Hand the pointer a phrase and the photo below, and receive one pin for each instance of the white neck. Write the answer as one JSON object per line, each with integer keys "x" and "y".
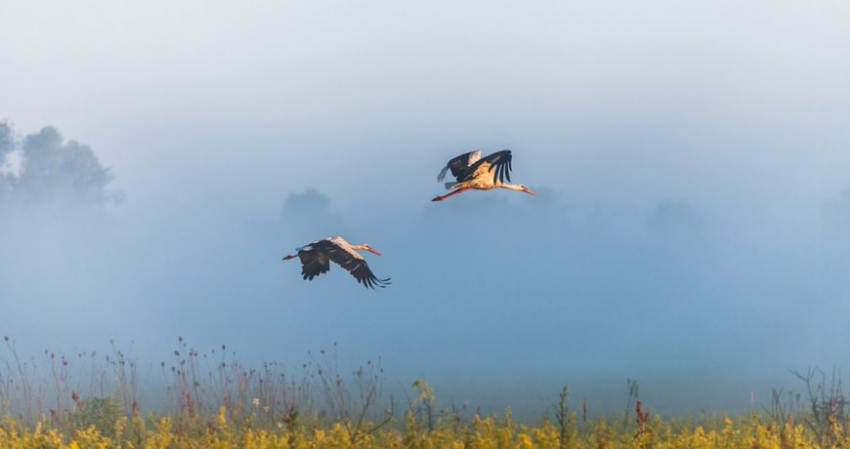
{"x": 516, "y": 187}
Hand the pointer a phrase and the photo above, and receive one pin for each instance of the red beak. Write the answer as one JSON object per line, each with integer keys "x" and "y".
{"x": 527, "y": 190}
{"x": 373, "y": 251}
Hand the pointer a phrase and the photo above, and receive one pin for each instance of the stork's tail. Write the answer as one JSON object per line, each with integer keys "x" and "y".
{"x": 449, "y": 185}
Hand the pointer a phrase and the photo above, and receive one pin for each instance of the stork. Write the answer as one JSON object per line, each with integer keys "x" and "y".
{"x": 474, "y": 172}
{"x": 316, "y": 257}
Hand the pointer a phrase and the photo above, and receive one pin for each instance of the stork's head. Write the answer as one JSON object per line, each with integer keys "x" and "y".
{"x": 525, "y": 189}
{"x": 370, "y": 249}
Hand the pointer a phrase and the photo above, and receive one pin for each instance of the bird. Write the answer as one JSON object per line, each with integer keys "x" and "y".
{"x": 316, "y": 258}
{"x": 474, "y": 172}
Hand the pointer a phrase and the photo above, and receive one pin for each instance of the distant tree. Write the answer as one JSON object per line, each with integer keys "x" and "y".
{"x": 673, "y": 217}
{"x": 308, "y": 214}
{"x": 7, "y": 145}
{"x": 53, "y": 171}
{"x": 7, "y": 142}
{"x": 310, "y": 203}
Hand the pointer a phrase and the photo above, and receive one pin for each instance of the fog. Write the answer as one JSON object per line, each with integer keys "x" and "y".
{"x": 692, "y": 227}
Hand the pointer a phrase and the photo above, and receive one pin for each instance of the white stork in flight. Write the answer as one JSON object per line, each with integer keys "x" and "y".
{"x": 474, "y": 172}
{"x": 316, "y": 257}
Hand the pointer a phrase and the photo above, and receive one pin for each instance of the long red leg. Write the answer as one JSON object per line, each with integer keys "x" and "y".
{"x": 441, "y": 198}
{"x": 290, "y": 257}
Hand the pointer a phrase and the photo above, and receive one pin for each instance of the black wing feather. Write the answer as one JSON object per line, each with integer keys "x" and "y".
{"x": 357, "y": 267}
{"x": 459, "y": 166}
{"x": 500, "y": 165}
{"x": 313, "y": 263}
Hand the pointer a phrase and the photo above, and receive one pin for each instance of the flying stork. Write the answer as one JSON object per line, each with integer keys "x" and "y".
{"x": 474, "y": 172}
{"x": 316, "y": 257}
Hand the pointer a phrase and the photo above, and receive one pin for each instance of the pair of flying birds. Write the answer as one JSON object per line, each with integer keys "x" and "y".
{"x": 471, "y": 171}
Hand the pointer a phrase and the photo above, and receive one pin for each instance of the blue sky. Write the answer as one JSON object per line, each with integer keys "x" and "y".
{"x": 691, "y": 159}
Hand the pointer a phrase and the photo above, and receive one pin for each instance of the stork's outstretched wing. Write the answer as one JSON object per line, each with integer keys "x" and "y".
{"x": 460, "y": 165}
{"x": 499, "y": 163}
{"x": 313, "y": 263}
{"x": 351, "y": 262}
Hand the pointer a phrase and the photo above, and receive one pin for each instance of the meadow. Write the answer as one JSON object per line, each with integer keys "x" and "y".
{"x": 213, "y": 399}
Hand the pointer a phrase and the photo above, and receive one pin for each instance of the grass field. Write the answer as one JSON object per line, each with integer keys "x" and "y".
{"x": 214, "y": 400}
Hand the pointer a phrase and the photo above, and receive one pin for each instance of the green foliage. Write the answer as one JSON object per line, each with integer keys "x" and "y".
{"x": 101, "y": 412}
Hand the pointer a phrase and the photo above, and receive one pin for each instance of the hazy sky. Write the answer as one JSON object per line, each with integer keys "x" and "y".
{"x": 691, "y": 158}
